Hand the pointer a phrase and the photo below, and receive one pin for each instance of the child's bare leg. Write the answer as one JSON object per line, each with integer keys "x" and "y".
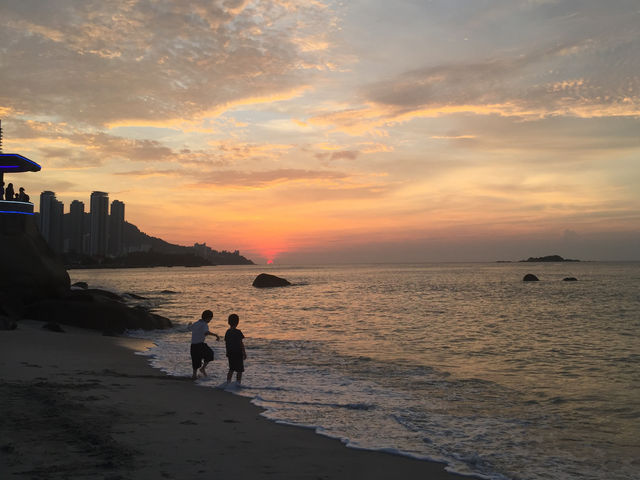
{"x": 203, "y": 369}
{"x": 239, "y": 377}
{"x": 195, "y": 374}
{"x": 229, "y": 375}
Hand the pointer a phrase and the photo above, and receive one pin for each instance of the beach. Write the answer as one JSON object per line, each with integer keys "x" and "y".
{"x": 81, "y": 405}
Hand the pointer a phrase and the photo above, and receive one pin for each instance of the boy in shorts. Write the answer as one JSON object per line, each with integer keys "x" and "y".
{"x": 200, "y": 351}
{"x": 235, "y": 349}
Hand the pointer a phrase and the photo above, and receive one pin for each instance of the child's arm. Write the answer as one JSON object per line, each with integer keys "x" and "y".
{"x": 215, "y": 334}
{"x": 244, "y": 353}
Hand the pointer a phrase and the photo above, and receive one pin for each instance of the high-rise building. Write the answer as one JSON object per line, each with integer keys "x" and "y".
{"x": 76, "y": 226}
{"x": 51, "y": 220}
{"x": 99, "y": 223}
{"x": 116, "y": 228}
{"x": 57, "y": 226}
{"x": 46, "y": 199}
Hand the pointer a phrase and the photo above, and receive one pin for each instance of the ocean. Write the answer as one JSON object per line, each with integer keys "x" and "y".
{"x": 460, "y": 363}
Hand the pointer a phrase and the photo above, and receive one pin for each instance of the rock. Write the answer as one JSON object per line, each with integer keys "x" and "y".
{"x": 53, "y": 327}
{"x": 10, "y": 306}
{"x": 264, "y": 280}
{"x": 7, "y": 323}
{"x": 134, "y": 296}
{"x": 549, "y": 258}
{"x": 96, "y": 312}
{"x": 98, "y": 293}
{"x": 30, "y": 269}
{"x": 82, "y": 285}
{"x": 570, "y": 279}
{"x": 530, "y": 277}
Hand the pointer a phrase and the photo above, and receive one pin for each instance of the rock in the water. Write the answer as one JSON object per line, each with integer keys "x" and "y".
{"x": 530, "y": 277}
{"x": 82, "y": 285}
{"x": 135, "y": 296}
{"x": 264, "y": 280}
{"x": 570, "y": 279}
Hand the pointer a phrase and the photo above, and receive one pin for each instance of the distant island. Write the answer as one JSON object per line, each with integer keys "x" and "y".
{"x": 549, "y": 258}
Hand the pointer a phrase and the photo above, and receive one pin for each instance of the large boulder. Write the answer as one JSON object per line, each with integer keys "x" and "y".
{"x": 264, "y": 280}
{"x": 530, "y": 277}
{"x": 30, "y": 269}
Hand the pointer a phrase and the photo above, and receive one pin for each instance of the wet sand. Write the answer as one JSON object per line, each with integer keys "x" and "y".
{"x": 80, "y": 405}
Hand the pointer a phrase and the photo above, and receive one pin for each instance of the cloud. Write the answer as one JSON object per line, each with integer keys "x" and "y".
{"x": 263, "y": 179}
{"x": 586, "y": 69}
{"x": 102, "y": 62}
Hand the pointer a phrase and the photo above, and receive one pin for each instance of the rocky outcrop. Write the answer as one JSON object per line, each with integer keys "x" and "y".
{"x": 264, "y": 280}
{"x": 570, "y": 279}
{"x": 7, "y": 323}
{"x": 530, "y": 277}
{"x": 96, "y": 310}
{"x": 30, "y": 269}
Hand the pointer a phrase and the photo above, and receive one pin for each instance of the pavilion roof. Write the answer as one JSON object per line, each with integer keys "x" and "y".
{"x": 12, "y": 163}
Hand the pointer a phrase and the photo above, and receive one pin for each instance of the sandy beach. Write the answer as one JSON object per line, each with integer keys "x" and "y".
{"x": 82, "y": 405}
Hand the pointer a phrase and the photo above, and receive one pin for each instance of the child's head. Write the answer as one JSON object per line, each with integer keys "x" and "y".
{"x": 207, "y": 315}
{"x": 233, "y": 320}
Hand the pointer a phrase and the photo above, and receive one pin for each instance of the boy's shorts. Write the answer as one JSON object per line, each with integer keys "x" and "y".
{"x": 200, "y": 352}
{"x": 236, "y": 362}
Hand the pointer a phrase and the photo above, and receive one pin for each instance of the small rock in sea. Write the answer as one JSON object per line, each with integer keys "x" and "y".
{"x": 82, "y": 285}
{"x": 264, "y": 280}
{"x": 53, "y": 327}
{"x": 530, "y": 277}
{"x": 134, "y": 296}
{"x": 570, "y": 279}
{"x": 171, "y": 292}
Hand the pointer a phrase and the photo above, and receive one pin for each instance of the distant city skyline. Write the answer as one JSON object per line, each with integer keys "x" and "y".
{"x": 96, "y": 233}
{"x": 333, "y": 132}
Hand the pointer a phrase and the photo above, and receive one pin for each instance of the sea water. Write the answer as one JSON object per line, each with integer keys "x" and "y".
{"x": 460, "y": 363}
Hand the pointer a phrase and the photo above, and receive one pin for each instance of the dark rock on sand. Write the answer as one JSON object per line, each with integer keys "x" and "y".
{"x": 30, "y": 268}
{"x": 530, "y": 277}
{"x": 97, "y": 310}
{"x": 53, "y": 327}
{"x": 570, "y": 279}
{"x": 7, "y": 323}
{"x": 264, "y": 280}
{"x": 35, "y": 285}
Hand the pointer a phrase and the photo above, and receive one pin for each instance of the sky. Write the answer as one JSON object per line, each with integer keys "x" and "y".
{"x": 328, "y": 132}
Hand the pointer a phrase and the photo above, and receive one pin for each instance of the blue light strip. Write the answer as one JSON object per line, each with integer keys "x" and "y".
{"x": 21, "y": 213}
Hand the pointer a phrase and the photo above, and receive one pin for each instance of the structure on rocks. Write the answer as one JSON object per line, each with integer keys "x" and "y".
{"x": 30, "y": 269}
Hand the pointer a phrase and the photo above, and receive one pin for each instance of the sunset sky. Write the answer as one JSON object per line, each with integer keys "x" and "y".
{"x": 320, "y": 131}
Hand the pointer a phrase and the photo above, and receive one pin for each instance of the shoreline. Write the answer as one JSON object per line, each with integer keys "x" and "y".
{"x": 82, "y": 405}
